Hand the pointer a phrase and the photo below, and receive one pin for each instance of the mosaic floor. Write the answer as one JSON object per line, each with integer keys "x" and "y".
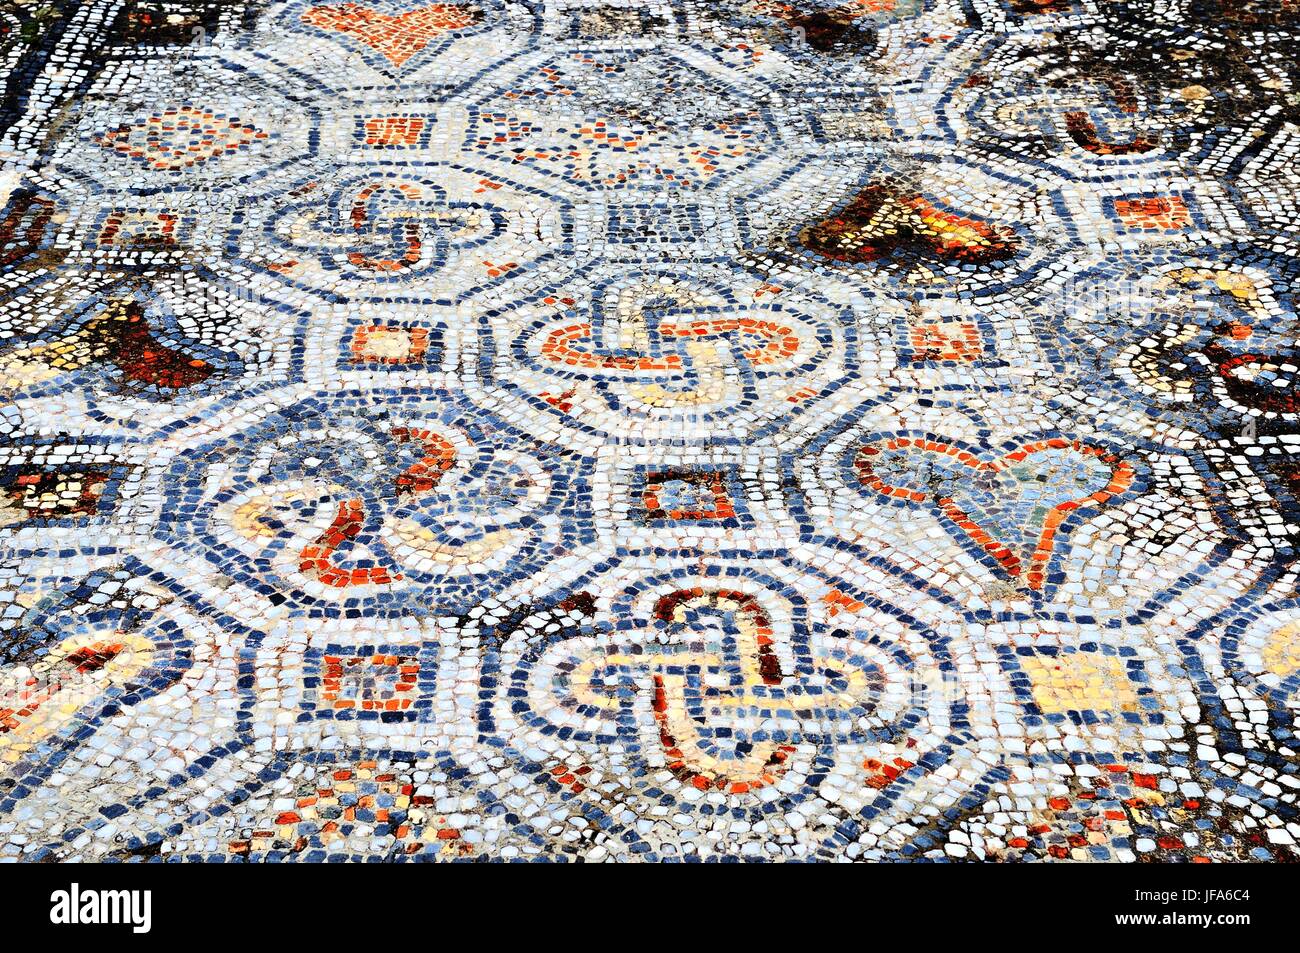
{"x": 632, "y": 431}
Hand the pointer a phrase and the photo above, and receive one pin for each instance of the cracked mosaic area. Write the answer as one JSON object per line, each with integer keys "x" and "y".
{"x": 823, "y": 430}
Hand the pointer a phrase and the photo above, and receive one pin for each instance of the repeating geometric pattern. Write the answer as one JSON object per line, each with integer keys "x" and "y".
{"x": 649, "y": 430}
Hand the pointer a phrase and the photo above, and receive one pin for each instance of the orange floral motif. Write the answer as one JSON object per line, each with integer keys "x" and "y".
{"x": 180, "y": 138}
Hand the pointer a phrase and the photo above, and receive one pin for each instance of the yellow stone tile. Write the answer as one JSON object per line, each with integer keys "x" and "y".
{"x": 1080, "y": 681}
{"x": 1281, "y": 652}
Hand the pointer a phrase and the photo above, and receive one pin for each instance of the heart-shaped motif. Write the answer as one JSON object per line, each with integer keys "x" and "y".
{"x": 396, "y": 37}
{"x": 1011, "y": 507}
